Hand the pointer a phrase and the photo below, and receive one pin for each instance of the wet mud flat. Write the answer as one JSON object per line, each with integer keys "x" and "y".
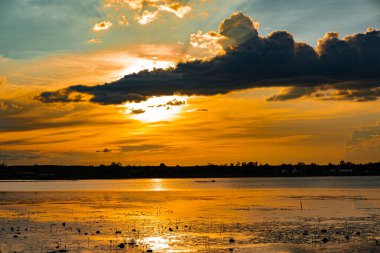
{"x": 199, "y": 220}
{"x": 23, "y": 235}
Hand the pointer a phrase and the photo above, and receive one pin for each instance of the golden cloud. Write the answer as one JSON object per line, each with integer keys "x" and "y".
{"x": 175, "y": 8}
{"x": 102, "y": 26}
{"x": 233, "y": 31}
{"x": 94, "y": 41}
{"x": 147, "y": 11}
{"x": 210, "y": 42}
{"x": 146, "y": 17}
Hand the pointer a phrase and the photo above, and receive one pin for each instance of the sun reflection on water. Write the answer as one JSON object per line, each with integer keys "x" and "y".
{"x": 157, "y": 242}
{"x": 157, "y": 185}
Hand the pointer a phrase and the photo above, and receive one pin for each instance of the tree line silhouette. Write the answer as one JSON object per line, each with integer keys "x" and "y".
{"x": 116, "y": 170}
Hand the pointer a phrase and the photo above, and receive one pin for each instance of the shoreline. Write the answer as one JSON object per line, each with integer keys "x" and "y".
{"x": 246, "y": 170}
{"x": 196, "y": 179}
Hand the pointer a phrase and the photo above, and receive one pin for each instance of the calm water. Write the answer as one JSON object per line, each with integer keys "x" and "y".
{"x": 193, "y": 184}
{"x": 191, "y": 215}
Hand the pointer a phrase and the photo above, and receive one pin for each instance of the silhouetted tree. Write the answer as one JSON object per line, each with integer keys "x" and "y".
{"x": 115, "y": 164}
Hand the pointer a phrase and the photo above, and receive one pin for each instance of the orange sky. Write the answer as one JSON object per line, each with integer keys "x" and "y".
{"x": 241, "y": 125}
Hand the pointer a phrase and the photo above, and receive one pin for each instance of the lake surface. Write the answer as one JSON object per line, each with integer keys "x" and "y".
{"x": 329, "y": 214}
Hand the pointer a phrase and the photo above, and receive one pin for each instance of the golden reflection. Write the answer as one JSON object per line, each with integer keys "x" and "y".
{"x": 157, "y": 242}
{"x": 156, "y": 109}
{"x": 157, "y": 185}
{"x": 177, "y": 221}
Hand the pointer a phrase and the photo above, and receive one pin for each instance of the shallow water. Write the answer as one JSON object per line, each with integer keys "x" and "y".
{"x": 191, "y": 215}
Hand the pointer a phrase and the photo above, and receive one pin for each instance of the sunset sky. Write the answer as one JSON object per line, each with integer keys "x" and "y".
{"x": 189, "y": 81}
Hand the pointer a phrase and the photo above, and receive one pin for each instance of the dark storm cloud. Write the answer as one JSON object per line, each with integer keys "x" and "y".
{"x": 350, "y": 66}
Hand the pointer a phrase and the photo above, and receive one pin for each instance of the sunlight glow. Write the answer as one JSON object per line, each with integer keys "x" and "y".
{"x": 157, "y": 185}
{"x": 157, "y": 242}
{"x": 156, "y": 109}
{"x": 149, "y": 64}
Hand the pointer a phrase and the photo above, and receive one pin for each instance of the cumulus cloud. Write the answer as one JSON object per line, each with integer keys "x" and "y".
{"x": 210, "y": 42}
{"x": 146, "y": 17}
{"x": 102, "y": 26}
{"x": 346, "y": 68}
{"x": 146, "y": 11}
{"x": 176, "y": 8}
{"x": 239, "y": 28}
{"x": 233, "y": 31}
{"x": 94, "y": 41}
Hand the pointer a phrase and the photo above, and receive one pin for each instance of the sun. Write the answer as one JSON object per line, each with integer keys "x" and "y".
{"x": 156, "y": 109}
